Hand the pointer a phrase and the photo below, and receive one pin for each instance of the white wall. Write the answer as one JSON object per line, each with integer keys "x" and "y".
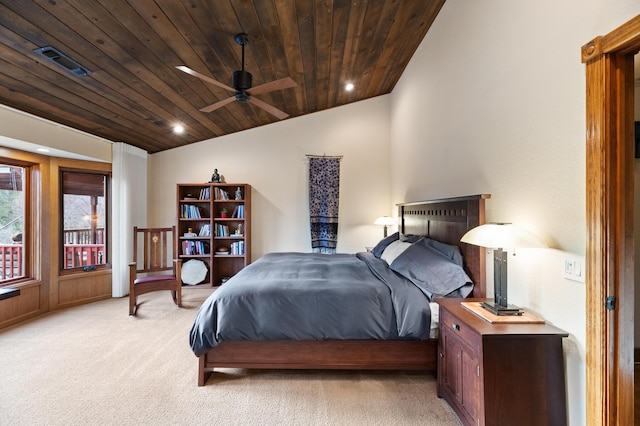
{"x": 273, "y": 160}
{"x": 493, "y": 102}
{"x": 27, "y": 132}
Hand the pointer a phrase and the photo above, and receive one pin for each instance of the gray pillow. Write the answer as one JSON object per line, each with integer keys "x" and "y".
{"x": 449, "y": 251}
{"x": 379, "y": 248}
{"x": 410, "y": 238}
{"x": 432, "y": 272}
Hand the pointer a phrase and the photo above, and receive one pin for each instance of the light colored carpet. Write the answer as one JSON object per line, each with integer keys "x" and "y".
{"x": 95, "y": 365}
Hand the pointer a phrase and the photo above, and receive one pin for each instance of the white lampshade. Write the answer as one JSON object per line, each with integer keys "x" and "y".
{"x": 385, "y": 220}
{"x": 502, "y": 235}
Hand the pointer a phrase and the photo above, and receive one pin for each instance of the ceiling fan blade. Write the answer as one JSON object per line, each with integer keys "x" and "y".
{"x": 269, "y": 108}
{"x": 204, "y": 77}
{"x": 283, "y": 83}
{"x": 218, "y": 104}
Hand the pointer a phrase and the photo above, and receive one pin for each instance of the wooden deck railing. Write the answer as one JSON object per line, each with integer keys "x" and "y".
{"x": 10, "y": 261}
{"x": 75, "y": 255}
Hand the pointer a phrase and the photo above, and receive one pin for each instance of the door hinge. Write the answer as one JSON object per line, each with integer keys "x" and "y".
{"x": 610, "y": 303}
{"x": 478, "y": 370}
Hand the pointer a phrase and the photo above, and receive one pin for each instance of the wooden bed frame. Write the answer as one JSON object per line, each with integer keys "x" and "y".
{"x": 444, "y": 220}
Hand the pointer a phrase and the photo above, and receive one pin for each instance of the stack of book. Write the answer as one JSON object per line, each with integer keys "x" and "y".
{"x": 237, "y": 248}
{"x": 205, "y": 193}
{"x": 221, "y": 230}
{"x": 205, "y": 231}
{"x": 190, "y": 248}
{"x": 238, "y": 211}
{"x": 220, "y": 194}
{"x": 189, "y": 211}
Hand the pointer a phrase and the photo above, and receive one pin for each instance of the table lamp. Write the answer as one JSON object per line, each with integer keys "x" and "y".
{"x": 386, "y": 221}
{"x": 501, "y": 237}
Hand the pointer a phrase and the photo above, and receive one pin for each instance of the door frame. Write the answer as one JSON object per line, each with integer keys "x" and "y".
{"x": 609, "y": 218}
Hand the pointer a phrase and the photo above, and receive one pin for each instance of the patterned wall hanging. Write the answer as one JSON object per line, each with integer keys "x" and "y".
{"x": 324, "y": 195}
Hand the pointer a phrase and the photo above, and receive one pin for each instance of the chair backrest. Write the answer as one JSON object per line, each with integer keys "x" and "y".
{"x": 154, "y": 249}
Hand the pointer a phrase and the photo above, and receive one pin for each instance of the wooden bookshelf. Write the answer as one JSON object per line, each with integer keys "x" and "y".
{"x": 219, "y": 218}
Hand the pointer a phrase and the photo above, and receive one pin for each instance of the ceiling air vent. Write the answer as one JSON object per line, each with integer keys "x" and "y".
{"x": 63, "y": 60}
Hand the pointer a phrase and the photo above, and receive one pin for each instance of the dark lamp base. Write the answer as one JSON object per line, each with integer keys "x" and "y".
{"x": 497, "y": 309}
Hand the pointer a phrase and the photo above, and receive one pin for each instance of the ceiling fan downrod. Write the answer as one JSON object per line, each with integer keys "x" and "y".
{"x": 242, "y": 79}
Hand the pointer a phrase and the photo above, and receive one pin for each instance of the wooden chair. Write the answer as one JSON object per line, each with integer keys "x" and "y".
{"x": 155, "y": 265}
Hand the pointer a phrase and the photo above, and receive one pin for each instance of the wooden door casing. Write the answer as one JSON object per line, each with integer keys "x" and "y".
{"x": 609, "y": 210}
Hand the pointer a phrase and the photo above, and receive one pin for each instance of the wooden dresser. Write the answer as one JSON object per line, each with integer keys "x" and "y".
{"x": 500, "y": 374}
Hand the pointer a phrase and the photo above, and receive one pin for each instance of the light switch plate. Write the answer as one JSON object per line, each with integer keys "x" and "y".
{"x": 573, "y": 269}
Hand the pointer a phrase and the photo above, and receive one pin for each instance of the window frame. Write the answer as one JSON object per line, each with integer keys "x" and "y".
{"x": 107, "y": 221}
{"x": 28, "y": 228}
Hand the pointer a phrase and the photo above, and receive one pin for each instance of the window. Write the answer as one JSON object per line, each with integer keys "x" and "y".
{"x": 13, "y": 216}
{"x": 85, "y": 206}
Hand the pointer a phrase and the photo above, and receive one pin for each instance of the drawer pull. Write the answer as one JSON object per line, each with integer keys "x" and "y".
{"x": 455, "y": 326}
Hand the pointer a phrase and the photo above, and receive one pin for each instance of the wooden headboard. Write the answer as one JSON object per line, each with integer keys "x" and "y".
{"x": 447, "y": 220}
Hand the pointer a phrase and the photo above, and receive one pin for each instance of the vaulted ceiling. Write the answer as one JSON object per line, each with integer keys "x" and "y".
{"x": 134, "y": 93}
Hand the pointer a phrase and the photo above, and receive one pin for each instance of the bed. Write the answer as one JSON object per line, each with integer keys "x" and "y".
{"x": 389, "y": 343}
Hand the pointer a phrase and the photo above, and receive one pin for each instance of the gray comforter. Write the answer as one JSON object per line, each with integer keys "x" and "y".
{"x": 307, "y": 296}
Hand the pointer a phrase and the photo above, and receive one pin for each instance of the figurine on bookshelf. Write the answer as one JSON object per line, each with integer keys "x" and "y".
{"x": 190, "y": 233}
{"x": 238, "y": 230}
{"x": 238, "y": 194}
{"x": 215, "y": 177}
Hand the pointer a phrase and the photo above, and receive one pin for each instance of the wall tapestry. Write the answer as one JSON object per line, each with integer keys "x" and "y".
{"x": 324, "y": 195}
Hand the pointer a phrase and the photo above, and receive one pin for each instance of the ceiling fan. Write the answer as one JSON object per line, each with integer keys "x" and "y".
{"x": 242, "y": 88}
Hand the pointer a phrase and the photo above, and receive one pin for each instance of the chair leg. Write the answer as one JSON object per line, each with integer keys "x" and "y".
{"x": 177, "y": 297}
{"x": 132, "y": 304}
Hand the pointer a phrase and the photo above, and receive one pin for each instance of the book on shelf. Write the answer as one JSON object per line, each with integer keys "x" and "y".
{"x": 238, "y": 211}
{"x": 189, "y": 211}
{"x": 205, "y": 193}
{"x": 220, "y": 194}
{"x": 237, "y": 248}
{"x": 190, "y": 248}
{"x": 221, "y": 230}
{"x": 205, "y": 230}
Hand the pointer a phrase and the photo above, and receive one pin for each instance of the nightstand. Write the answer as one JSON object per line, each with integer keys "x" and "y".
{"x": 500, "y": 373}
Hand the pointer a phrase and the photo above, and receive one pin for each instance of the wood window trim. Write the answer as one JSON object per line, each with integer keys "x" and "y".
{"x": 107, "y": 241}
{"x": 609, "y": 214}
{"x": 30, "y": 239}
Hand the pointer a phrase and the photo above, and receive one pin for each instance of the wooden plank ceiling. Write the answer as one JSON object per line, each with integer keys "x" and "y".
{"x": 135, "y": 94}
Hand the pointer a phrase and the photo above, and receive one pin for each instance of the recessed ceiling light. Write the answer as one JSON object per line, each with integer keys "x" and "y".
{"x": 178, "y": 129}
{"x": 42, "y": 150}
{"x": 349, "y": 87}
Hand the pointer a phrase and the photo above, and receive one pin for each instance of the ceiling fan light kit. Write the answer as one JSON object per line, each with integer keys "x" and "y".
{"x": 242, "y": 86}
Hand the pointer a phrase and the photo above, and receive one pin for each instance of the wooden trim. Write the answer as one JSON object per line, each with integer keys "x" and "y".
{"x": 623, "y": 40}
{"x": 609, "y": 210}
{"x": 94, "y": 281}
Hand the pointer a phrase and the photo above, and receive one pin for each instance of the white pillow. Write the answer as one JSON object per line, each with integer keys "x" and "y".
{"x": 394, "y": 250}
